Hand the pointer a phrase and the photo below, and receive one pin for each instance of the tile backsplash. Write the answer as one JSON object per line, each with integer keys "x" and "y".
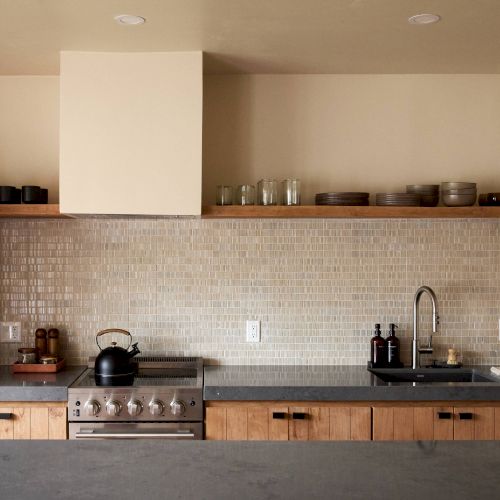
{"x": 187, "y": 286}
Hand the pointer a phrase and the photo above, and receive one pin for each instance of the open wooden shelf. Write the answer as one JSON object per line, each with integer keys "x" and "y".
{"x": 50, "y": 211}
{"x": 335, "y": 212}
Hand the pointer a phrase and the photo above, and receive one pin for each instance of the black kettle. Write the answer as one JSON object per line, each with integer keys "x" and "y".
{"x": 114, "y": 365}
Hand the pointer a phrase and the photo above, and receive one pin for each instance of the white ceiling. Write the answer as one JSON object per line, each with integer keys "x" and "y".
{"x": 260, "y": 36}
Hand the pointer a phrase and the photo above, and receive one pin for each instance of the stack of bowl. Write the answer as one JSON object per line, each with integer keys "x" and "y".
{"x": 429, "y": 193}
{"x": 398, "y": 199}
{"x": 458, "y": 194}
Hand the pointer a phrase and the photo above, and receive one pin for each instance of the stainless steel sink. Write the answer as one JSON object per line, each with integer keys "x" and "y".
{"x": 430, "y": 375}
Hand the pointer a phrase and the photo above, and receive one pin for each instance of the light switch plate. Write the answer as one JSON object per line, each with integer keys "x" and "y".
{"x": 10, "y": 331}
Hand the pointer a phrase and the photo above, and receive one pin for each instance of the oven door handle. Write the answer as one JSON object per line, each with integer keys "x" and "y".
{"x": 92, "y": 434}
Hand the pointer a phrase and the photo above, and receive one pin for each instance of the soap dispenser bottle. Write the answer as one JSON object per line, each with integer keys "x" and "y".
{"x": 393, "y": 348}
{"x": 378, "y": 349}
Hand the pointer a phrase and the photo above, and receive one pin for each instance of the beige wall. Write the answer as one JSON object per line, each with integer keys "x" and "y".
{"x": 335, "y": 132}
{"x": 29, "y": 132}
{"x": 351, "y": 132}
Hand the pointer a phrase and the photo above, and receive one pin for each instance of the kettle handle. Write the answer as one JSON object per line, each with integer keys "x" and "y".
{"x": 113, "y": 330}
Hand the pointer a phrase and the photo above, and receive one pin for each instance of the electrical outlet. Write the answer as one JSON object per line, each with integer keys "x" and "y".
{"x": 253, "y": 331}
{"x": 10, "y": 331}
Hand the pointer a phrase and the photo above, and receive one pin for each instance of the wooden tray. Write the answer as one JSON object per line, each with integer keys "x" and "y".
{"x": 37, "y": 367}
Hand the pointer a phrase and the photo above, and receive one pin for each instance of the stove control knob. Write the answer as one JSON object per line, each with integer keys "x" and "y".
{"x": 177, "y": 408}
{"x": 113, "y": 408}
{"x": 92, "y": 408}
{"x": 156, "y": 407}
{"x": 134, "y": 408}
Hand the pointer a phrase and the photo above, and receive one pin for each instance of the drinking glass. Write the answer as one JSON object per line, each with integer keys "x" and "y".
{"x": 245, "y": 195}
{"x": 224, "y": 195}
{"x": 267, "y": 192}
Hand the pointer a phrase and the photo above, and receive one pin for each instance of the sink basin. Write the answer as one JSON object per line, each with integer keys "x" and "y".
{"x": 430, "y": 375}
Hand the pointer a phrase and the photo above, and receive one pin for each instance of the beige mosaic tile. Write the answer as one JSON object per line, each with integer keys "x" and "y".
{"x": 188, "y": 286}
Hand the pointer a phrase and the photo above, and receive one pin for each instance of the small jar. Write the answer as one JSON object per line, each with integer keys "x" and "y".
{"x": 27, "y": 355}
{"x": 41, "y": 342}
{"x": 245, "y": 195}
{"x": 267, "y": 192}
{"x": 291, "y": 191}
{"x": 53, "y": 342}
{"x": 224, "y": 195}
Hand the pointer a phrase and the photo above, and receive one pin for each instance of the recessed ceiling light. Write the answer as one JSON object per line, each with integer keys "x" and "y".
{"x": 424, "y": 19}
{"x": 129, "y": 19}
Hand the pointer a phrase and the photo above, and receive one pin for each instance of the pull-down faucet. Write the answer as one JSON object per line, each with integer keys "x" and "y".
{"x": 435, "y": 321}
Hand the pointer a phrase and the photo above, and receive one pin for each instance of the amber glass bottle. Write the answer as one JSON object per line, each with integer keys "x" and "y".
{"x": 378, "y": 354}
{"x": 393, "y": 348}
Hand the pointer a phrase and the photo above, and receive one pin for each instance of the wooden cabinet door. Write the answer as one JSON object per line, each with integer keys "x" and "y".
{"x": 278, "y": 424}
{"x": 215, "y": 424}
{"x": 236, "y": 424}
{"x": 409, "y": 424}
{"x": 474, "y": 423}
{"x": 350, "y": 424}
{"x": 309, "y": 424}
{"x": 258, "y": 424}
{"x": 319, "y": 424}
{"x": 443, "y": 423}
{"x": 33, "y": 422}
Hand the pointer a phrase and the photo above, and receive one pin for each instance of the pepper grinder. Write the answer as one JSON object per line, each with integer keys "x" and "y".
{"x": 41, "y": 342}
{"x": 53, "y": 342}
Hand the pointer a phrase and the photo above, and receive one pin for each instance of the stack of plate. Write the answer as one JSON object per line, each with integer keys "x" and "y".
{"x": 398, "y": 199}
{"x": 458, "y": 194}
{"x": 351, "y": 199}
{"x": 429, "y": 193}
{"x": 489, "y": 199}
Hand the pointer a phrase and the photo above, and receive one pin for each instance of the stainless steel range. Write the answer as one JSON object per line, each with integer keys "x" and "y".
{"x": 164, "y": 402}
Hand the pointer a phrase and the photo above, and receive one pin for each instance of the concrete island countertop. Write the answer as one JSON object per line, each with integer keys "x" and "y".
{"x": 37, "y": 386}
{"x": 333, "y": 383}
{"x": 249, "y": 470}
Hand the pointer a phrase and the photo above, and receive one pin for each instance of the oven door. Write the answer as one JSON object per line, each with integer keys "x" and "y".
{"x": 173, "y": 431}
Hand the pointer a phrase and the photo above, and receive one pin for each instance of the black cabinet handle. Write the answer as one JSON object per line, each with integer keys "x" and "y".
{"x": 444, "y": 415}
{"x": 299, "y": 415}
{"x": 465, "y": 416}
{"x": 280, "y": 415}
{"x": 6, "y": 416}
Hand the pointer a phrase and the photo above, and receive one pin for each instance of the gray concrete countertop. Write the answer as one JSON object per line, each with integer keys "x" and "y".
{"x": 249, "y": 470}
{"x": 37, "y": 386}
{"x": 333, "y": 383}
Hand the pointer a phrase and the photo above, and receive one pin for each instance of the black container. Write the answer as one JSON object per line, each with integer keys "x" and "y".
{"x": 44, "y": 196}
{"x": 378, "y": 351}
{"x": 114, "y": 365}
{"x": 32, "y": 194}
{"x": 10, "y": 195}
{"x": 393, "y": 348}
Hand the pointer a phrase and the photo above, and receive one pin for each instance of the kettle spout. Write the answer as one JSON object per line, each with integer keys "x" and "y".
{"x": 134, "y": 351}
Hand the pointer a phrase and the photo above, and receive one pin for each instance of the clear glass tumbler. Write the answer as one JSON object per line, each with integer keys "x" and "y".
{"x": 291, "y": 191}
{"x": 267, "y": 192}
{"x": 224, "y": 195}
{"x": 245, "y": 195}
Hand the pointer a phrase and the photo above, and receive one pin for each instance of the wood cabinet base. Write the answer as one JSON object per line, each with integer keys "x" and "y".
{"x": 247, "y": 422}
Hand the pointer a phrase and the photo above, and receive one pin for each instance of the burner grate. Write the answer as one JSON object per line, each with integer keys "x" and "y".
{"x": 165, "y": 359}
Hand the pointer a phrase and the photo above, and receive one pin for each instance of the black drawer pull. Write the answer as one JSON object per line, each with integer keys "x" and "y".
{"x": 465, "y": 416}
{"x": 444, "y": 415}
{"x": 299, "y": 416}
{"x": 6, "y": 416}
{"x": 280, "y": 415}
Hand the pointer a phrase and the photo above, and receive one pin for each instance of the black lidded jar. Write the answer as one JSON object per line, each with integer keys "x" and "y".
{"x": 393, "y": 360}
{"x": 378, "y": 352}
